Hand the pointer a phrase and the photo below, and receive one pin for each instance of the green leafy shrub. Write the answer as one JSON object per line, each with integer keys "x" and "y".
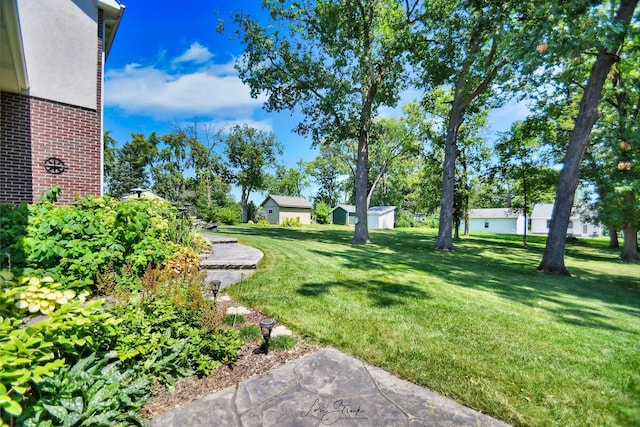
{"x": 260, "y": 215}
{"x": 229, "y": 215}
{"x": 94, "y": 391}
{"x": 263, "y": 223}
{"x": 72, "y": 244}
{"x": 33, "y": 349}
{"x": 322, "y": 213}
{"x": 157, "y": 319}
{"x": 169, "y": 342}
{"x": 292, "y": 222}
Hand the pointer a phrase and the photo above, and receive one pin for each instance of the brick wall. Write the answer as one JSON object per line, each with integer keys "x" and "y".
{"x": 15, "y": 149}
{"x": 71, "y": 134}
{"x": 33, "y": 130}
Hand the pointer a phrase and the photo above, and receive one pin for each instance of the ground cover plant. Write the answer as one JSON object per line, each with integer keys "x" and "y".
{"x": 70, "y": 356}
{"x": 479, "y": 324}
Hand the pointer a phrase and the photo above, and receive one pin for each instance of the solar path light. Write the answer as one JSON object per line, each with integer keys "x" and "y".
{"x": 215, "y": 288}
{"x": 266, "y": 325}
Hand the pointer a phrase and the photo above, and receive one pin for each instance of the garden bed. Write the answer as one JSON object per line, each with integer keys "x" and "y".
{"x": 250, "y": 363}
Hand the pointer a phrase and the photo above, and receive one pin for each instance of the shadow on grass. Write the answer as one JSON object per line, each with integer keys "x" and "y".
{"x": 380, "y": 293}
{"x": 492, "y": 263}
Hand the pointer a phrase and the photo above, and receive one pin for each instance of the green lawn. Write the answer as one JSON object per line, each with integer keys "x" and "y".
{"x": 479, "y": 324}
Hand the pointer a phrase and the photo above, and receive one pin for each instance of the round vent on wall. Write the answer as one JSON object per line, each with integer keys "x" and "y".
{"x": 54, "y": 166}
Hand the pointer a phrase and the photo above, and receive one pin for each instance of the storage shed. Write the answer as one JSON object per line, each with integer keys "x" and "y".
{"x": 377, "y": 216}
{"x": 343, "y": 214}
{"x": 498, "y": 220}
{"x": 279, "y": 208}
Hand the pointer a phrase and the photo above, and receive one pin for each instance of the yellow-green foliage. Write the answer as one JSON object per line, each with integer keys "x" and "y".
{"x": 42, "y": 295}
{"x": 32, "y": 349}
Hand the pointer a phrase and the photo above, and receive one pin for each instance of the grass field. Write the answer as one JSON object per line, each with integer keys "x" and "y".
{"x": 479, "y": 324}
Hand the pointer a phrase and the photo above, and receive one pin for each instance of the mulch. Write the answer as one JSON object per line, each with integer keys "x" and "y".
{"x": 249, "y": 364}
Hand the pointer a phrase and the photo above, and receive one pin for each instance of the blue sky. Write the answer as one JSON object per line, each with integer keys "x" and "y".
{"x": 169, "y": 65}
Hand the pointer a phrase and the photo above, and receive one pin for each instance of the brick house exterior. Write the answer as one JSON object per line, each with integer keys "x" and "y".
{"x": 52, "y": 60}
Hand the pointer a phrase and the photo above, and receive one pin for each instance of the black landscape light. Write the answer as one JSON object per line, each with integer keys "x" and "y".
{"x": 266, "y": 325}
{"x": 138, "y": 191}
{"x": 215, "y": 288}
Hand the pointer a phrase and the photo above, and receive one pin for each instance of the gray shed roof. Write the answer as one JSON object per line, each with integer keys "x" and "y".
{"x": 542, "y": 211}
{"x": 348, "y": 208}
{"x": 377, "y": 210}
{"x": 380, "y": 210}
{"x": 288, "y": 202}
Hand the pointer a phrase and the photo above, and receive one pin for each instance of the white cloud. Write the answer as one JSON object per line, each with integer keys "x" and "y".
{"x": 152, "y": 91}
{"x": 196, "y": 53}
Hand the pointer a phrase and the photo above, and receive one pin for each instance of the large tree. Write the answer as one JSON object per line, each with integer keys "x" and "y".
{"x": 466, "y": 45}
{"x": 169, "y": 167}
{"x": 607, "y": 43}
{"x": 394, "y": 147}
{"x": 250, "y": 152}
{"x": 205, "y": 142}
{"x": 337, "y": 61}
{"x": 613, "y": 157}
{"x": 289, "y": 181}
{"x": 327, "y": 171}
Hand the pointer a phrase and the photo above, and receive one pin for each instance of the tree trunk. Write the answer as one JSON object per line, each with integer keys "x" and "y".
{"x": 361, "y": 231}
{"x": 445, "y": 241}
{"x": 553, "y": 258}
{"x": 244, "y": 201}
{"x": 613, "y": 237}
{"x": 630, "y": 244}
{"x": 466, "y": 220}
{"x": 524, "y": 192}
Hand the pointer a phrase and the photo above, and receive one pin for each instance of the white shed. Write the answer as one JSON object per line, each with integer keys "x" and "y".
{"x": 498, "y": 220}
{"x": 381, "y": 217}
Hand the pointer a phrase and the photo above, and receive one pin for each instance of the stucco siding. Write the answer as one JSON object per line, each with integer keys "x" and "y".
{"x": 272, "y": 210}
{"x": 303, "y": 214}
{"x": 493, "y": 225}
{"x": 539, "y": 226}
{"x": 60, "y": 49}
{"x": 383, "y": 221}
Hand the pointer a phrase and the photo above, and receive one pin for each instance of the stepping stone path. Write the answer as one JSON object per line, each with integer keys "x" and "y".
{"x": 229, "y": 261}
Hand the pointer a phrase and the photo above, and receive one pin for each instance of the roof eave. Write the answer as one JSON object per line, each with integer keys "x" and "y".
{"x": 113, "y": 12}
{"x": 11, "y": 20}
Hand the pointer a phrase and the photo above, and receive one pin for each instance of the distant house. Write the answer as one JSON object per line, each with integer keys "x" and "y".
{"x": 377, "y": 216}
{"x": 498, "y": 220}
{"x": 52, "y": 56}
{"x": 541, "y": 220}
{"x": 279, "y": 208}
